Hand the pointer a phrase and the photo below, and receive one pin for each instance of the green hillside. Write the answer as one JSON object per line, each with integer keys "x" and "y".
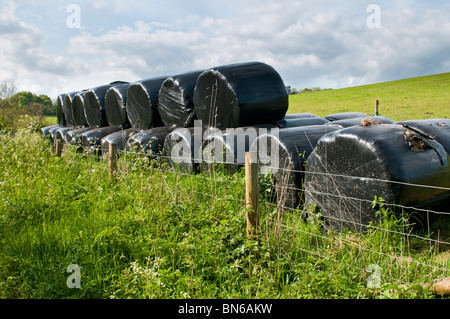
{"x": 422, "y": 97}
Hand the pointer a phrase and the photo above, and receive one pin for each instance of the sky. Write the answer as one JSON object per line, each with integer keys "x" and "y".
{"x": 53, "y": 47}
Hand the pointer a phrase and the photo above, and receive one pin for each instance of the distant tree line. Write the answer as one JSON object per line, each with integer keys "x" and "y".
{"x": 26, "y": 101}
{"x": 292, "y": 91}
{"x": 14, "y": 105}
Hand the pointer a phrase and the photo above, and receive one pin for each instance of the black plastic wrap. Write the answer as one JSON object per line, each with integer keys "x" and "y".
{"x": 176, "y": 102}
{"x": 91, "y": 139}
{"x": 60, "y": 134}
{"x": 60, "y": 116}
{"x": 46, "y": 130}
{"x": 344, "y": 116}
{"x": 349, "y": 167}
{"x": 142, "y": 103}
{"x": 73, "y": 137}
{"x": 226, "y": 149}
{"x": 182, "y": 149}
{"x": 296, "y": 122}
{"x": 115, "y": 106}
{"x": 283, "y": 155}
{"x": 364, "y": 121}
{"x": 299, "y": 116}
{"x": 149, "y": 142}
{"x": 239, "y": 95}
{"x": 94, "y": 104}
{"x": 119, "y": 138}
{"x": 68, "y": 110}
{"x": 53, "y": 130}
{"x": 438, "y": 129}
{"x": 79, "y": 117}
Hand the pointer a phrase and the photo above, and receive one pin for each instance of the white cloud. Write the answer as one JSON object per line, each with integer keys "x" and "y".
{"x": 22, "y": 59}
{"x": 311, "y": 43}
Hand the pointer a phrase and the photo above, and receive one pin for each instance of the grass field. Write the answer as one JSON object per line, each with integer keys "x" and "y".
{"x": 50, "y": 120}
{"x": 415, "y": 98}
{"x": 153, "y": 233}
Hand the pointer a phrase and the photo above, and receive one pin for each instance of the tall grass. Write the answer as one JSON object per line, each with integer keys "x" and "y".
{"x": 153, "y": 232}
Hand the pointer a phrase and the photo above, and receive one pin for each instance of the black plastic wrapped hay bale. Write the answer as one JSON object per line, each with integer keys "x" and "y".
{"x": 438, "y": 129}
{"x": 297, "y": 122}
{"x": 225, "y": 150}
{"x": 349, "y": 167}
{"x": 115, "y": 106}
{"x": 182, "y": 148}
{"x": 60, "y": 116}
{"x": 239, "y": 95}
{"x": 74, "y": 137}
{"x": 60, "y": 133}
{"x": 149, "y": 142}
{"x": 91, "y": 140}
{"x": 344, "y": 116}
{"x": 176, "y": 101}
{"x": 94, "y": 104}
{"x": 46, "y": 130}
{"x": 142, "y": 103}
{"x": 282, "y": 155}
{"x": 79, "y": 117}
{"x": 364, "y": 121}
{"x": 52, "y": 132}
{"x": 119, "y": 138}
{"x": 68, "y": 109}
{"x": 299, "y": 116}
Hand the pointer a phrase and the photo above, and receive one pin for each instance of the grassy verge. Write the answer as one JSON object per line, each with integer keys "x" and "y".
{"x": 154, "y": 233}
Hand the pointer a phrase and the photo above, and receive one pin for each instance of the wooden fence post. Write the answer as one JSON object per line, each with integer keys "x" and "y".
{"x": 251, "y": 194}
{"x": 58, "y": 147}
{"x": 112, "y": 160}
{"x": 377, "y": 104}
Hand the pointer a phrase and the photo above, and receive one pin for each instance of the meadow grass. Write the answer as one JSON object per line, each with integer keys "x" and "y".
{"x": 408, "y": 99}
{"x": 50, "y": 120}
{"x": 153, "y": 232}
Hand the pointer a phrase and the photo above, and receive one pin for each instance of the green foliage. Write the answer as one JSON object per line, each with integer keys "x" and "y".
{"x": 33, "y": 103}
{"x": 22, "y": 110}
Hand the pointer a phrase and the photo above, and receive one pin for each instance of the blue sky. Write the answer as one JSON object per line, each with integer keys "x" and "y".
{"x": 320, "y": 43}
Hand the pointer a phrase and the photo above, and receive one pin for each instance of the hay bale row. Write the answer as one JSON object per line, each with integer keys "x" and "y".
{"x": 315, "y": 154}
{"x": 252, "y": 88}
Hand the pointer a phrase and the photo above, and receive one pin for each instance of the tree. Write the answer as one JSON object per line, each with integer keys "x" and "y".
{"x": 28, "y": 101}
{"x": 291, "y": 91}
{"x": 8, "y": 113}
{"x": 7, "y": 90}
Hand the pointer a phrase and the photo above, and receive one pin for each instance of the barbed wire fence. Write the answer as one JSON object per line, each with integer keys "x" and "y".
{"x": 273, "y": 194}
